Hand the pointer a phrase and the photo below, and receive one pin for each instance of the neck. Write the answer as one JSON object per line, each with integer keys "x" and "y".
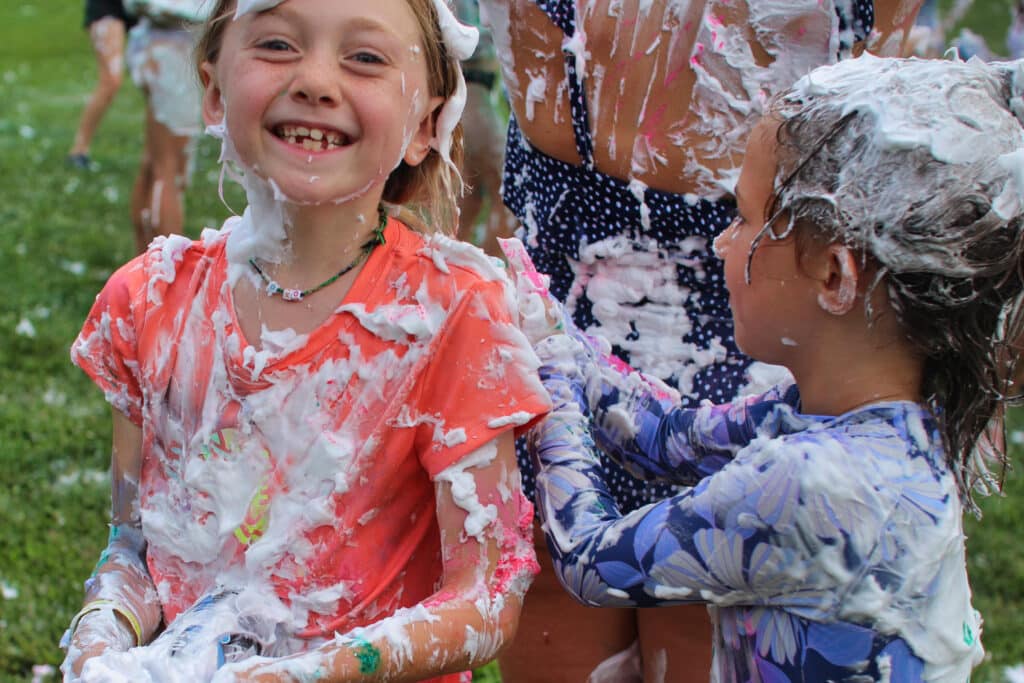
{"x": 852, "y": 366}
{"x": 322, "y": 236}
{"x": 855, "y": 386}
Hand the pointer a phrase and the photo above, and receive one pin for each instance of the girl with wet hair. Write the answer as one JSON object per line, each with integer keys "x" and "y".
{"x": 877, "y": 255}
{"x": 313, "y": 472}
{"x": 629, "y": 121}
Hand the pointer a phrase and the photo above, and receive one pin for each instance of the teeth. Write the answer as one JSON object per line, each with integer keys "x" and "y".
{"x": 313, "y": 139}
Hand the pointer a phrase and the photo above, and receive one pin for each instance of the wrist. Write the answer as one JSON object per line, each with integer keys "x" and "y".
{"x": 111, "y": 622}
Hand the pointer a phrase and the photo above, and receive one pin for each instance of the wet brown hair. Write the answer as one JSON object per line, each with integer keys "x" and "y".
{"x": 948, "y": 258}
{"x": 429, "y": 191}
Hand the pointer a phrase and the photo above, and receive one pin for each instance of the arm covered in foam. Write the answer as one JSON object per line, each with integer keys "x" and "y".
{"x": 732, "y": 539}
{"x": 636, "y": 421}
{"x": 121, "y": 607}
{"x": 488, "y": 563}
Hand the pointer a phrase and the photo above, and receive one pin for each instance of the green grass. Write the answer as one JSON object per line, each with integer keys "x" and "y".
{"x": 988, "y": 18}
{"x": 61, "y": 234}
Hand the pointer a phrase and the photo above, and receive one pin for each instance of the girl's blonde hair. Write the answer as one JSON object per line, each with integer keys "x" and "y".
{"x": 426, "y": 194}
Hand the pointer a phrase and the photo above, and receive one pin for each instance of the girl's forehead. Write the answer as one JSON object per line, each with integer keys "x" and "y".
{"x": 249, "y": 6}
{"x": 244, "y": 7}
{"x": 394, "y": 17}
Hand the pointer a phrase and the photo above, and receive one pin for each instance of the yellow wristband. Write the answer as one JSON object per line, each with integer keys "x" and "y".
{"x": 117, "y": 608}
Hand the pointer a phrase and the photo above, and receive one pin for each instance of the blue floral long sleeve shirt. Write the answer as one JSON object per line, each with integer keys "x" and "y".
{"x": 827, "y": 548}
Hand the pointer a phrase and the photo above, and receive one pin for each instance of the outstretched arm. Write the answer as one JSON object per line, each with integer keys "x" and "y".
{"x": 121, "y": 606}
{"x": 637, "y": 422}
{"x": 735, "y": 538}
{"x": 488, "y": 564}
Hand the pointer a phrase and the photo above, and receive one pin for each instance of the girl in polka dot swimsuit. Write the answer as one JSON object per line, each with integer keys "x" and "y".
{"x": 622, "y": 151}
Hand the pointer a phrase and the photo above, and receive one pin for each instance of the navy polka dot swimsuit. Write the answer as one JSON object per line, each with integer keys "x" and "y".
{"x": 578, "y": 224}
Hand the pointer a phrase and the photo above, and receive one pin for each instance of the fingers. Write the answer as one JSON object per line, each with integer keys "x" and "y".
{"x": 540, "y": 314}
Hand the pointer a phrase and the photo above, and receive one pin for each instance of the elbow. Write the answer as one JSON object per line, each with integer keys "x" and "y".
{"x": 583, "y": 584}
{"x": 499, "y": 608}
{"x": 507, "y": 624}
{"x": 494, "y": 632}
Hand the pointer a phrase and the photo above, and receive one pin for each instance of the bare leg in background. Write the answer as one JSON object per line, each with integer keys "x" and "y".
{"x": 157, "y": 204}
{"x": 108, "y": 39}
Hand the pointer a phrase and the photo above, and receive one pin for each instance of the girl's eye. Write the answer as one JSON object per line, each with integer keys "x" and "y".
{"x": 275, "y": 45}
{"x": 368, "y": 58}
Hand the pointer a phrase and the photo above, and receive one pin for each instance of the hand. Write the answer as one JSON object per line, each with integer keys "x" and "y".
{"x": 76, "y": 659}
{"x": 540, "y": 314}
{"x": 256, "y": 670}
{"x": 96, "y": 633}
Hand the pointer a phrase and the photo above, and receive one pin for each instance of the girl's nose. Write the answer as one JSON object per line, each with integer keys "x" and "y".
{"x": 725, "y": 238}
{"x": 315, "y": 82}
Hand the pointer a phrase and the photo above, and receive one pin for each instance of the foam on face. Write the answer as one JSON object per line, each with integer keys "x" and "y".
{"x": 460, "y": 41}
{"x": 263, "y": 229}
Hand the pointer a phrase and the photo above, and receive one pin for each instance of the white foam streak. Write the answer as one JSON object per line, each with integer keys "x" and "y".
{"x": 464, "y": 491}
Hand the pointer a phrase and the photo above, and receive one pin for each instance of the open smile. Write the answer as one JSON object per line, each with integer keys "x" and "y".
{"x": 309, "y": 138}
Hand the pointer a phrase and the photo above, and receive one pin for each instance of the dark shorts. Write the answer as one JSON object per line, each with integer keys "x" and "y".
{"x": 97, "y": 9}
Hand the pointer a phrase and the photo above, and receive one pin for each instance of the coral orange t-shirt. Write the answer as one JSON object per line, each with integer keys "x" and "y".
{"x": 307, "y": 464}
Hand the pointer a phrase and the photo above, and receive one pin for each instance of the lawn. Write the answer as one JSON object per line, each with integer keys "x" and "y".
{"x": 63, "y": 232}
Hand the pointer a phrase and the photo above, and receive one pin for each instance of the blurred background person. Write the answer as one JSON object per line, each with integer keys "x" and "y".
{"x": 1015, "y": 34}
{"x": 108, "y": 24}
{"x": 159, "y": 59}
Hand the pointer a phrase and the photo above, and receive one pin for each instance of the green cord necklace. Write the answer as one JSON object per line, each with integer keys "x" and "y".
{"x": 289, "y": 294}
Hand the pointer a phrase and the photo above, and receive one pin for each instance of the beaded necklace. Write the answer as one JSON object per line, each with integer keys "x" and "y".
{"x": 289, "y": 294}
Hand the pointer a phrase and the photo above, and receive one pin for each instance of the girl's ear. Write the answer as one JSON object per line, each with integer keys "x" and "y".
{"x": 419, "y": 145}
{"x": 213, "y": 102}
{"x": 837, "y": 275}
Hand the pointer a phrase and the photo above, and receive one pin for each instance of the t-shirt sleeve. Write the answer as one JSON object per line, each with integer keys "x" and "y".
{"x": 482, "y": 380}
{"x": 106, "y": 348}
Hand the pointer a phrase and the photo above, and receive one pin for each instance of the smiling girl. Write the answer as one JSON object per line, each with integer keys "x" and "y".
{"x": 312, "y": 451}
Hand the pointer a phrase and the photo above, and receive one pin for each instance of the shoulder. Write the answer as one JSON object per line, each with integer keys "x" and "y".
{"x": 876, "y": 462}
{"x": 448, "y": 268}
{"x": 860, "y": 456}
{"x": 169, "y": 263}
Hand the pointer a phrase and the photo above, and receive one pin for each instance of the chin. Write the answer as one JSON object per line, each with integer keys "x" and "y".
{"x": 302, "y": 192}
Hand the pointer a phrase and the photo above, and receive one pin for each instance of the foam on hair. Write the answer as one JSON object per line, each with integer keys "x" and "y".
{"x": 918, "y": 165}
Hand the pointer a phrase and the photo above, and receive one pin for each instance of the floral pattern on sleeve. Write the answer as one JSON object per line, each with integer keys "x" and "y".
{"x": 826, "y": 548}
